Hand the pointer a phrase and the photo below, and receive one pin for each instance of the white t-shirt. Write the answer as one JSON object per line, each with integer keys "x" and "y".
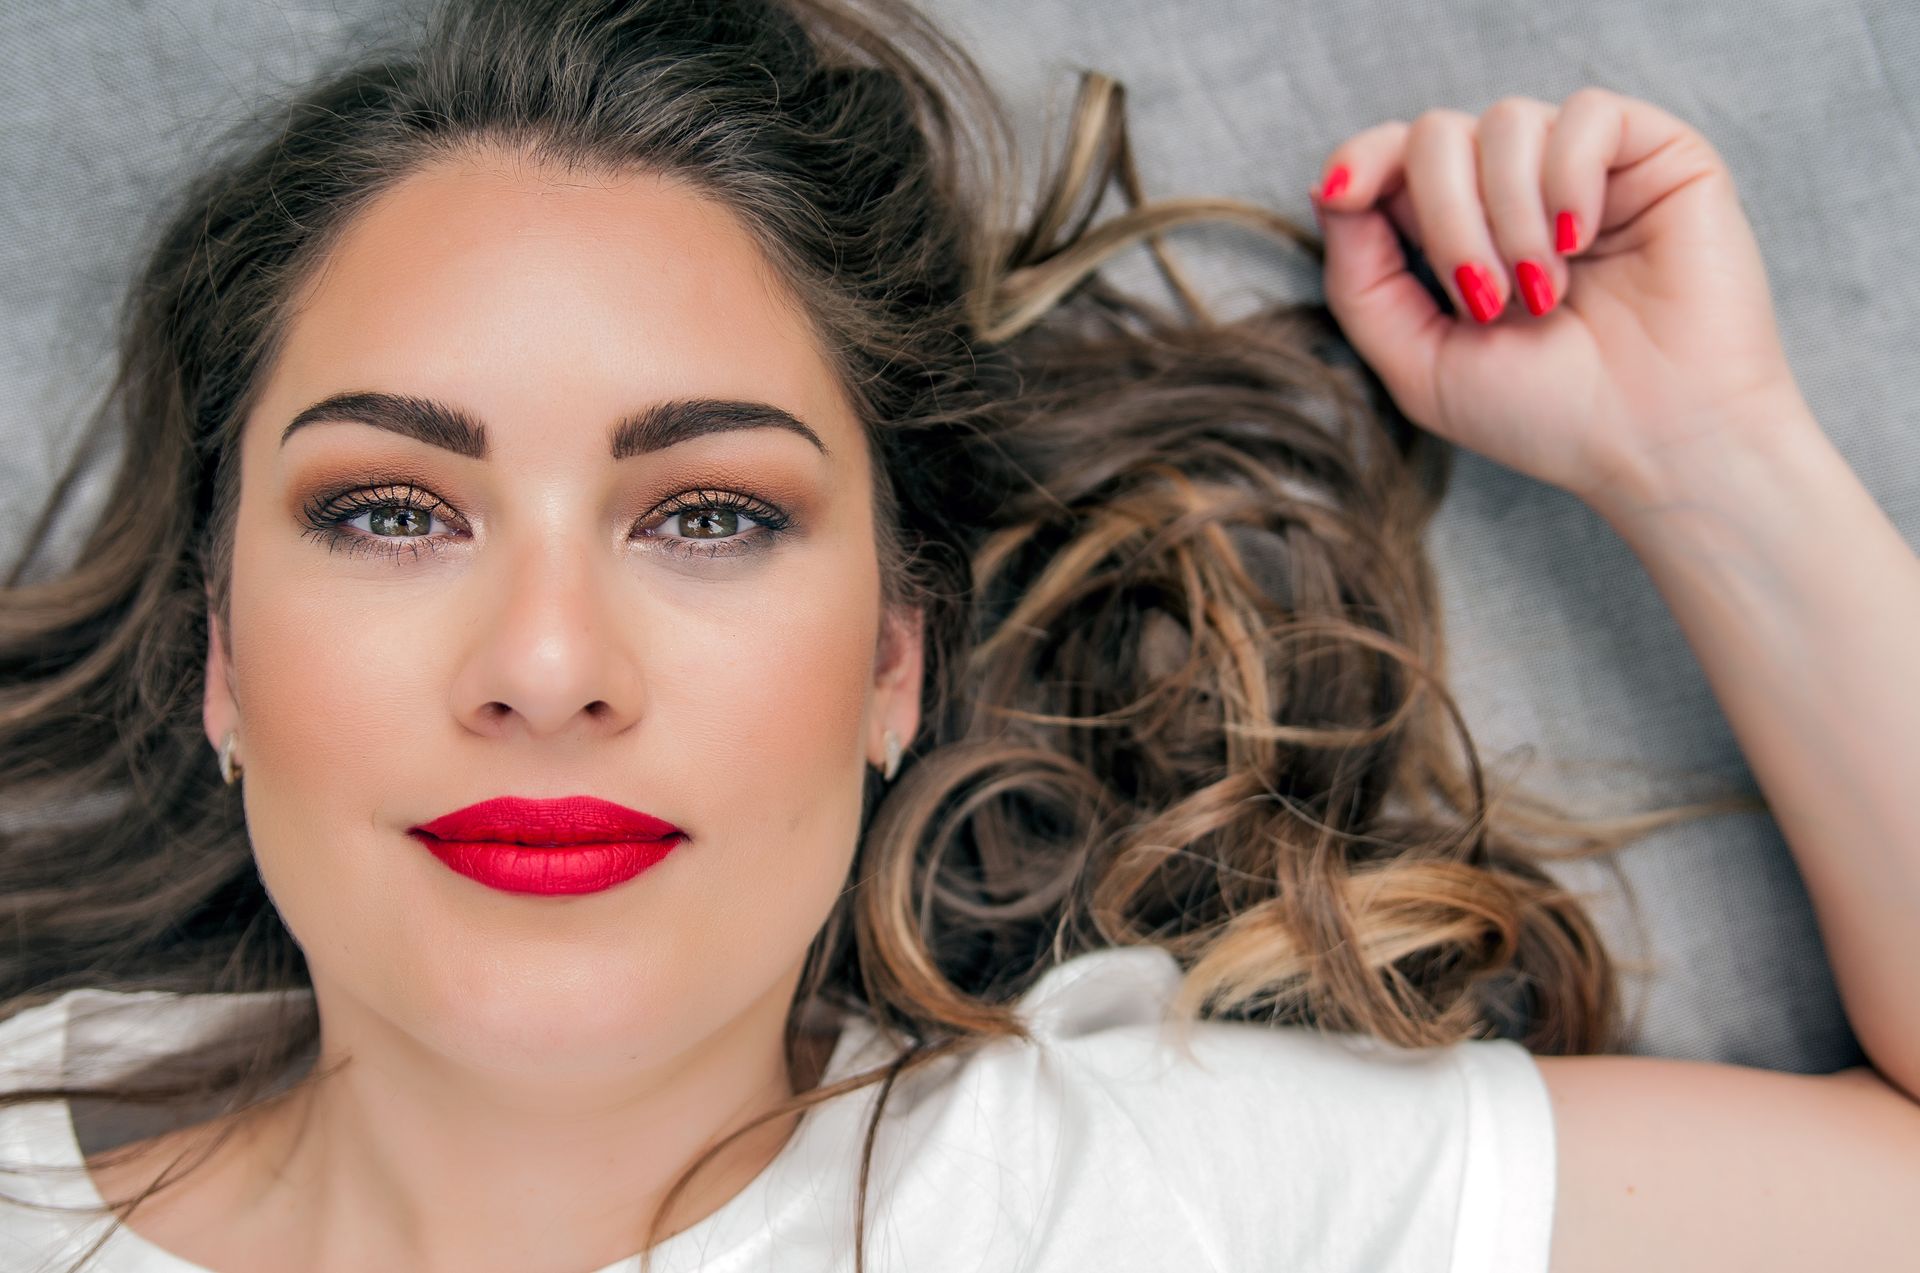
{"x": 1101, "y": 1147}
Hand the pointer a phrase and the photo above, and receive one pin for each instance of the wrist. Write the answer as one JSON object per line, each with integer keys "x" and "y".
{"x": 1770, "y": 430}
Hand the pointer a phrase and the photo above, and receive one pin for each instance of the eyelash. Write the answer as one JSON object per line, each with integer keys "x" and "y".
{"x": 327, "y": 514}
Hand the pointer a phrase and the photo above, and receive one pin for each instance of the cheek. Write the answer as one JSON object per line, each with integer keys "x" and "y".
{"x": 772, "y": 714}
{"x": 763, "y": 731}
{"x": 331, "y": 685}
{"x": 333, "y": 695}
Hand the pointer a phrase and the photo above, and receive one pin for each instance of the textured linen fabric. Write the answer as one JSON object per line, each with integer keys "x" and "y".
{"x": 1568, "y": 665}
{"x": 1108, "y": 1143}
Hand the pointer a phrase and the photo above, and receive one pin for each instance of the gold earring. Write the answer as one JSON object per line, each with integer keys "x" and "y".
{"x": 229, "y": 771}
{"x": 893, "y": 756}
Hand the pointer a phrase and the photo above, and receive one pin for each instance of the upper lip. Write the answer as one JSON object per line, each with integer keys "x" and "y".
{"x": 569, "y": 820}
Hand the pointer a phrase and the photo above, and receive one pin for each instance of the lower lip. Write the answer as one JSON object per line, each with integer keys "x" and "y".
{"x": 548, "y": 869}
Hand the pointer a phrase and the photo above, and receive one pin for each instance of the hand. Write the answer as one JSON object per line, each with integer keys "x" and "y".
{"x": 1657, "y": 340}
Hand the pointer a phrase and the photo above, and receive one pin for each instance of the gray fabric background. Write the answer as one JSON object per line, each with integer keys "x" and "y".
{"x": 1569, "y": 667}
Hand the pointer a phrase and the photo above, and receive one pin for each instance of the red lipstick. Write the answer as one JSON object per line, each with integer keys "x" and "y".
{"x": 578, "y": 844}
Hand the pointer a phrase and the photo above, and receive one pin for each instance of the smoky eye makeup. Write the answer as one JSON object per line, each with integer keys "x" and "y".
{"x": 394, "y": 513}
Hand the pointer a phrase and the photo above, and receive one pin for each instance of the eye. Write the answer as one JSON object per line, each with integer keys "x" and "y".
{"x": 399, "y": 519}
{"x": 710, "y": 524}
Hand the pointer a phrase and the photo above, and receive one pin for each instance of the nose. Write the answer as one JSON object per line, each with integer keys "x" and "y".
{"x": 551, "y": 644}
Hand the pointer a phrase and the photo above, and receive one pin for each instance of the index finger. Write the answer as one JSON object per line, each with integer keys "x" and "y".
{"x": 1366, "y": 168}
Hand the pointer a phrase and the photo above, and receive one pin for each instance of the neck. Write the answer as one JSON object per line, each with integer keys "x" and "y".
{"x": 404, "y": 1159}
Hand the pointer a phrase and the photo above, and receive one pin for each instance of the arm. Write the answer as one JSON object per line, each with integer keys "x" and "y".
{"x": 1802, "y": 602}
{"x": 1656, "y": 388}
{"x": 1672, "y": 1166}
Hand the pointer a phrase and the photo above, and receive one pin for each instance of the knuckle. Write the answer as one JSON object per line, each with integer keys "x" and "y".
{"x": 1438, "y": 120}
{"x": 1511, "y": 110}
{"x": 1589, "y": 95}
{"x": 1696, "y": 149}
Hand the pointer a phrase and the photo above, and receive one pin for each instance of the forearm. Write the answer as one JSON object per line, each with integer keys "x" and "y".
{"x": 1802, "y": 602}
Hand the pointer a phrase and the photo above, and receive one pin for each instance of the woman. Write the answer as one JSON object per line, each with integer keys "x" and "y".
{"x": 694, "y": 623}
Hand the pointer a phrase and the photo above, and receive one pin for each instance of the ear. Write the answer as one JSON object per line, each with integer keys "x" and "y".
{"x": 899, "y": 666}
{"x": 218, "y": 711}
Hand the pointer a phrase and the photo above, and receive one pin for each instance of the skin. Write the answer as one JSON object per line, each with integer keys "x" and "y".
{"x": 518, "y": 1060}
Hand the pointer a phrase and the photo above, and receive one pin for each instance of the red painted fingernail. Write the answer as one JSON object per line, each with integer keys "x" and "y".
{"x": 1335, "y": 183}
{"x": 1475, "y": 284}
{"x": 1566, "y": 228}
{"x": 1536, "y": 287}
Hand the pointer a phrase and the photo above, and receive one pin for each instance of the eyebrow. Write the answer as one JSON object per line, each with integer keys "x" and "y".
{"x": 448, "y": 427}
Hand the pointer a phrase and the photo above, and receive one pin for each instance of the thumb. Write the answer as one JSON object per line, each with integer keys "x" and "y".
{"x": 1386, "y": 314}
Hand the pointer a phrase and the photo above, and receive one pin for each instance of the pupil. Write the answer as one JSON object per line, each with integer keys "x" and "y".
{"x": 395, "y": 518}
{"x": 709, "y": 515}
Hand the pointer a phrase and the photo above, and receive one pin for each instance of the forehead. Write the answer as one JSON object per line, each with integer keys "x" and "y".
{"x": 521, "y": 289}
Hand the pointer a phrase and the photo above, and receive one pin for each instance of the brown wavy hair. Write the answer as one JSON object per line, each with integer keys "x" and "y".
{"x": 1185, "y": 671}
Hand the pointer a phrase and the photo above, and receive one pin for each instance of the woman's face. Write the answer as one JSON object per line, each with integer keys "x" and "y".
{"x": 540, "y": 623}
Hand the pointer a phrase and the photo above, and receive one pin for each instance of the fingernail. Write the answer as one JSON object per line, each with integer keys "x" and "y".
{"x": 1535, "y": 286}
{"x": 1477, "y": 287}
{"x": 1335, "y": 183}
{"x": 1566, "y": 229}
